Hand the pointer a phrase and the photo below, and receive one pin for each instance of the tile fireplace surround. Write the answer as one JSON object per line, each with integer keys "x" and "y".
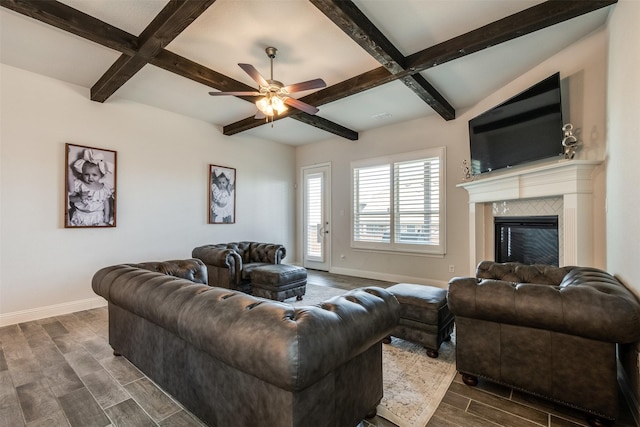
{"x": 570, "y": 180}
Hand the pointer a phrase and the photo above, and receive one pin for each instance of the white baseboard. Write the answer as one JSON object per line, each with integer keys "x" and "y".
{"x": 389, "y": 277}
{"x": 50, "y": 310}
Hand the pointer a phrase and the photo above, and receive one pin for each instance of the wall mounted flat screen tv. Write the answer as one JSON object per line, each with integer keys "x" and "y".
{"x": 523, "y": 129}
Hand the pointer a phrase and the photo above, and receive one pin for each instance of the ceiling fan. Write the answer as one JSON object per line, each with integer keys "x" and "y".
{"x": 274, "y": 94}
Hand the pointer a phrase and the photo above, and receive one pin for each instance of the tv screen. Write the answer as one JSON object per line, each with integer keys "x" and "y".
{"x": 525, "y": 128}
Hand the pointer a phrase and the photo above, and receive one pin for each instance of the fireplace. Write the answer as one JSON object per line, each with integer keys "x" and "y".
{"x": 570, "y": 180}
{"x": 527, "y": 239}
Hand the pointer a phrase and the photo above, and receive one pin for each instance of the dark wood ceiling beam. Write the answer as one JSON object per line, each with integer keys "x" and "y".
{"x": 517, "y": 25}
{"x": 201, "y": 74}
{"x": 171, "y": 21}
{"x": 421, "y": 87}
{"x": 346, "y": 16}
{"x": 326, "y": 125}
{"x": 198, "y": 73}
{"x": 301, "y": 116}
{"x": 513, "y": 26}
{"x": 75, "y": 22}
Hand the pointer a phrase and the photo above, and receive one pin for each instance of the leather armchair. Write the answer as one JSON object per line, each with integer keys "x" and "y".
{"x": 229, "y": 265}
{"x": 545, "y": 330}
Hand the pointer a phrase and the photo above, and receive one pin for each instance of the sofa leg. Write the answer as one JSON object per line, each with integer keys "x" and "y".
{"x": 595, "y": 421}
{"x": 432, "y": 353}
{"x": 371, "y": 414}
{"x": 116, "y": 353}
{"x": 470, "y": 380}
{"x": 387, "y": 339}
{"x": 299, "y": 298}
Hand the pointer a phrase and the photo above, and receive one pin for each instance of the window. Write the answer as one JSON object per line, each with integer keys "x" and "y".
{"x": 398, "y": 202}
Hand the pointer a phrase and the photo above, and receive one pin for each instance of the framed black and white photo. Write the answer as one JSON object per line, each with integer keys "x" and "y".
{"x": 90, "y": 184}
{"x": 222, "y": 195}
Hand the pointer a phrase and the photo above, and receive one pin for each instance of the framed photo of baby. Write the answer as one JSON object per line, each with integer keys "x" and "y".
{"x": 222, "y": 195}
{"x": 90, "y": 187}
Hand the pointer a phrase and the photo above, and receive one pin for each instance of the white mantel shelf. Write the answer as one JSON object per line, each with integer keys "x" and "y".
{"x": 570, "y": 179}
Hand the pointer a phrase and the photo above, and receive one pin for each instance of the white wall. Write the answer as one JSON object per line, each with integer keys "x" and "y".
{"x": 162, "y": 174}
{"x": 623, "y": 154}
{"x": 623, "y": 173}
{"x": 583, "y": 71}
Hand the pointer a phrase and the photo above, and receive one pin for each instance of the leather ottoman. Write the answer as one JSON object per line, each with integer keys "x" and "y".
{"x": 279, "y": 281}
{"x": 424, "y": 316}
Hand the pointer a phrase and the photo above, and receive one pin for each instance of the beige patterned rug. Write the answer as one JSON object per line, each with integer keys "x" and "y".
{"x": 414, "y": 384}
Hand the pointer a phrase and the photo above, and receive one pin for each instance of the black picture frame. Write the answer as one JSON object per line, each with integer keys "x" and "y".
{"x": 90, "y": 187}
{"x": 222, "y": 195}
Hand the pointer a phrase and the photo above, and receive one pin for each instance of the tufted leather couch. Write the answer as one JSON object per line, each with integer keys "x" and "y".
{"x": 239, "y": 361}
{"x": 549, "y": 331}
{"x": 229, "y": 265}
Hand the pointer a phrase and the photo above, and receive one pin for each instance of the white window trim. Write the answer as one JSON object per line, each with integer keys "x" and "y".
{"x": 440, "y": 249}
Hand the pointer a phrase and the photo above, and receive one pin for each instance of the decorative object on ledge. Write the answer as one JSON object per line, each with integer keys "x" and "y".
{"x": 90, "y": 180}
{"x": 570, "y": 141}
{"x": 222, "y": 195}
{"x": 466, "y": 171}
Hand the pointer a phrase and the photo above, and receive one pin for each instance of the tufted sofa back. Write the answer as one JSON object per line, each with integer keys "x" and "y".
{"x": 522, "y": 273}
{"x": 248, "y": 252}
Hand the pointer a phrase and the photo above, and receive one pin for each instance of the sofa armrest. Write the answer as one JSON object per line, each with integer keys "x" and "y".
{"x": 219, "y": 256}
{"x": 586, "y": 311}
{"x": 190, "y": 269}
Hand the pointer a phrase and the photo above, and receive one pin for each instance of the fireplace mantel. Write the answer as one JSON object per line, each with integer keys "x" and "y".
{"x": 570, "y": 179}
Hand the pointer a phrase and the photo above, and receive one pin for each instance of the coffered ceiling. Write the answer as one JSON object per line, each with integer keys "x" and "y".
{"x": 384, "y": 61}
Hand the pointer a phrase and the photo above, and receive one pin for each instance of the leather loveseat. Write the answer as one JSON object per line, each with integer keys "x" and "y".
{"x": 229, "y": 265}
{"x": 549, "y": 331}
{"x": 235, "y": 360}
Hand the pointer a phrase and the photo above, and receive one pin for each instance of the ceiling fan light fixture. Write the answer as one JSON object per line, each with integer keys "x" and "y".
{"x": 274, "y": 96}
{"x": 278, "y": 104}
{"x": 270, "y": 105}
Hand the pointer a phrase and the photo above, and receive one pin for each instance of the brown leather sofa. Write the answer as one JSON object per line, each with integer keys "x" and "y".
{"x": 229, "y": 265}
{"x": 548, "y": 331}
{"x": 235, "y": 360}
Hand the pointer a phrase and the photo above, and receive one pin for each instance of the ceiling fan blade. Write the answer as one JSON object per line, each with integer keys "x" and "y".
{"x": 255, "y": 75}
{"x": 235, "y": 93}
{"x": 310, "y": 84}
{"x": 296, "y": 103}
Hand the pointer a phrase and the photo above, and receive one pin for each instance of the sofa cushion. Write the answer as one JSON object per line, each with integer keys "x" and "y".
{"x": 248, "y": 268}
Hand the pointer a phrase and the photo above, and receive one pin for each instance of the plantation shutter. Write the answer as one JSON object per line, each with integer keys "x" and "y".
{"x": 417, "y": 202}
{"x": 372, "y": 203}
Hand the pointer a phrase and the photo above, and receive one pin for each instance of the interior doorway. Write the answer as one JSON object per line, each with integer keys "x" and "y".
{"x": 317, "y": 217}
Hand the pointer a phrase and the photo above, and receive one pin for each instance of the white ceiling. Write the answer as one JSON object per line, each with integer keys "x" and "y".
{"x": 309, "y": 46}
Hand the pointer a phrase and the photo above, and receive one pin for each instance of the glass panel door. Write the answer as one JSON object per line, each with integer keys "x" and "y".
{"x": 316, "y": 217}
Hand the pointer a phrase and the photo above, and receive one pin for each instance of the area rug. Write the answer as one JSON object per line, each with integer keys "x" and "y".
{"x": 414, "y": 383}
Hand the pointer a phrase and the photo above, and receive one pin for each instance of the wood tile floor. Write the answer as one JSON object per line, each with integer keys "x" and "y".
{"x": 60, "y": 371}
